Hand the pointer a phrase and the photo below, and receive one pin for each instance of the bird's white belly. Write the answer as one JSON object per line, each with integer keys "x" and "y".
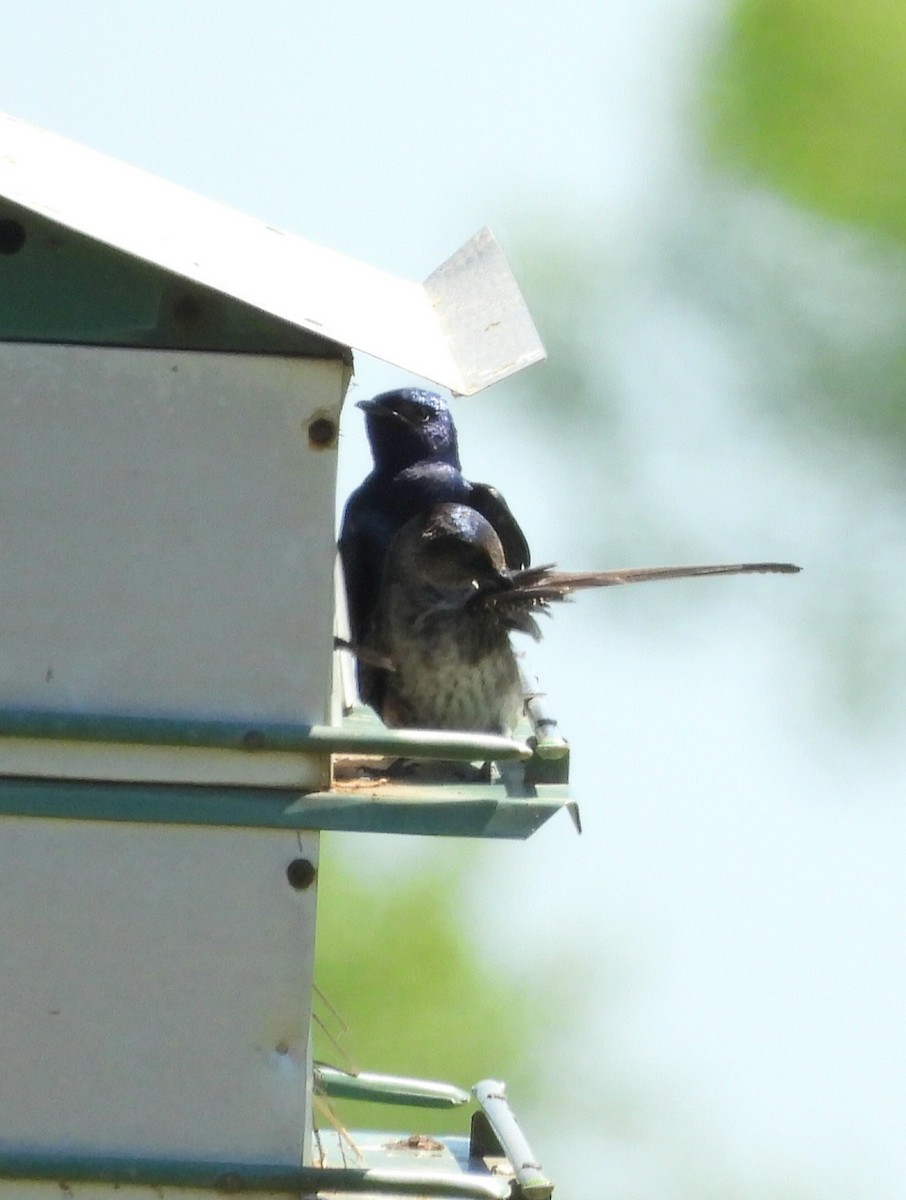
{"x": 449, "y": 690}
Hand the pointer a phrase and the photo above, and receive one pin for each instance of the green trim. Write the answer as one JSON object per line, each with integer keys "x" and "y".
{"x": 551, "y": 746}
{"x": 356, "y": 735}
{"x": 531, "y": 1182}
{"x": 476, "y": 810}
{"x": 428, "y": 801}
{"x": 387, "y": 1089}
{"x": 244, "y": 1177}
{"x": 65, "y": 287}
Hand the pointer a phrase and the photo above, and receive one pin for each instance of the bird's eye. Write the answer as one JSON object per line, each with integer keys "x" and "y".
{"x": 424, "y": 416}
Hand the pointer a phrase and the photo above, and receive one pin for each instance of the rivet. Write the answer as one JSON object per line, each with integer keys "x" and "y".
{"x": 187, "y": 309}
{"x": 301, "y": 874}
{"x": 322, "y": 433}
{"x": 12, "y": 236}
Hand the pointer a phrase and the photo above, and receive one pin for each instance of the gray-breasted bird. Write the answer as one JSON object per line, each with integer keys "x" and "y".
{"x": 416, "y": 466}
{"x": 439, "y": 648}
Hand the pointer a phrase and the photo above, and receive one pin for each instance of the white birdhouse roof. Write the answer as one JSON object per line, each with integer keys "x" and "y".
{"x": 464, "y": 327}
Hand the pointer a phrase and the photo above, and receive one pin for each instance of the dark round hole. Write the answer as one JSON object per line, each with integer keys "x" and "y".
{"x": 322, "y": 433}
{"x": 12, "y": 236}
{"x": 301, "y": 874}
{"x": 187, "y": 309}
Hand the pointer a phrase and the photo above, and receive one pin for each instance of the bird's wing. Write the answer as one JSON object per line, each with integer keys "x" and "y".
{"x": 362, "y": 545}
{"x": 492, "y": 506}
{"x": 372, "y": 669}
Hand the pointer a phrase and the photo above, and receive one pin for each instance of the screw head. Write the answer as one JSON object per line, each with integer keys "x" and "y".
{"x": 12, "y": 236}
{"x": 187, "y": 309}
{"x": 301, "y": 874}
{"x": 322, "y": 433}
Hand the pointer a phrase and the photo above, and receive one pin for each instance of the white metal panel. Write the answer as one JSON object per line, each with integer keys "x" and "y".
{"x": 481, "y": 311}
{"x": 43, "y": 758}
{"x": 155, "y": 991}
{"x": 21, "y": 1189}
{"x": 328, "y": 293}
{"x": 166, "y": 532}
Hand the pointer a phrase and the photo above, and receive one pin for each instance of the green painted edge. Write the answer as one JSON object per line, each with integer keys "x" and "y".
{"x": 232, "y": 1177}
{"x": 388, "y": 1089}
{"x": 354, "y": 736}
{"x": 479, "y": 810}
{"x": 63, "y": 287}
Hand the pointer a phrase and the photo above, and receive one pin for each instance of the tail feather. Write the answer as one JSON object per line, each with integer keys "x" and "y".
{"x": 541, "y": 585}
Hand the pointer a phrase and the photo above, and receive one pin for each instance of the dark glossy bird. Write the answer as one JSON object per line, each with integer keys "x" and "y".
{"x": 416, "y": 466}
{"x": 439, "y": 648}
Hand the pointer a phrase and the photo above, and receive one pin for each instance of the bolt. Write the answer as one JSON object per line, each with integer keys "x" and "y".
{"x": 322, "y": 433}
{"x": 301, "y": 874}
{"x": 12, "y": 236}
{"x": 187, "y": 309}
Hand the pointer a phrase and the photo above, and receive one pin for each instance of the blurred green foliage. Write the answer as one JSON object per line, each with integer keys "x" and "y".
{"x": 417, "y": 997}
{"x": 811, "y": 98}
{"x": 808, "y": 97}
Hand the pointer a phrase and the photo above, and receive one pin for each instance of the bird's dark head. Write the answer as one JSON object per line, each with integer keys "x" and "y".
{"x": 454, "y": 550}
{"x": 408, "y": 426}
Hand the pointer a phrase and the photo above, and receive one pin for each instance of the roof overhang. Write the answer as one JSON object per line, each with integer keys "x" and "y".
{"x": 465, "y": 327}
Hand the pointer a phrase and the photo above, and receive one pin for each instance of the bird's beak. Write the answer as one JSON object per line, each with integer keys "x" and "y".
{"x": 372, "y": 409}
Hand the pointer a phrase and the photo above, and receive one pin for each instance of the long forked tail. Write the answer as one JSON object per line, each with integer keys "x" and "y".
{"x": 543, "y": 584}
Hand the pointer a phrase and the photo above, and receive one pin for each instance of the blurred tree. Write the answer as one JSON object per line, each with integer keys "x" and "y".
{"x": 788, "y": 266}
{"x": 414, "y": 996}
{"x": 810, "y": 97}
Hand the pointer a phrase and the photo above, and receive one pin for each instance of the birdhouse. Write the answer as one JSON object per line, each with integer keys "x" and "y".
{"x": 171, "y": 738}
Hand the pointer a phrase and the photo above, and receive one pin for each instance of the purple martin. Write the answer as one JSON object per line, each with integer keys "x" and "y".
{"x": 439, "y": 648}
{"x": 416, "y": 466}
